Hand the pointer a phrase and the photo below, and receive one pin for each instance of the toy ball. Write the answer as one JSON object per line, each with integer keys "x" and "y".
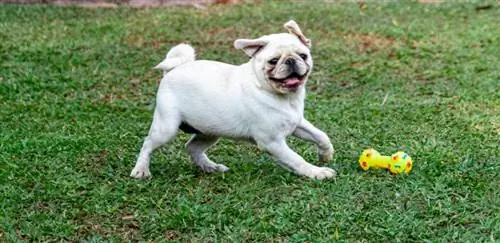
{"x": 397, "y": 163}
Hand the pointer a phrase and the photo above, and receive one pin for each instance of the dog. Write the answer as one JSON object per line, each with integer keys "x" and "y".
{"x": 261, "y": 101}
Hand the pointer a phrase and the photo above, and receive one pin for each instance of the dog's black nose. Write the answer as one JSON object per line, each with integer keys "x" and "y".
{"x": 290, "y": 61}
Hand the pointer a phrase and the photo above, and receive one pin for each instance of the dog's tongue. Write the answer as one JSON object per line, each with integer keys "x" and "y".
{"x": 292, "y": 82}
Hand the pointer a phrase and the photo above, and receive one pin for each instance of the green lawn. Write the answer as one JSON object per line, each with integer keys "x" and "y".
{"x": 77, "y": 93}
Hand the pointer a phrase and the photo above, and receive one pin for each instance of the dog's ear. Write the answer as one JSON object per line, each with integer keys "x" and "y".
{"x": 294, "y": 28}
{"x": 250, "y": 46}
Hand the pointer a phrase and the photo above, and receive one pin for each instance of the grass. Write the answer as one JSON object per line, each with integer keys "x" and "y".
{"x": 77, "y": 91}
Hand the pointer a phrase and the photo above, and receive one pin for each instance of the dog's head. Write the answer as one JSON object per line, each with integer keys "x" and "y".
{"x": 282, "y": 62}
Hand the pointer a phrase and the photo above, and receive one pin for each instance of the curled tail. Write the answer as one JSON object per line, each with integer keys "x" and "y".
{"x": 178, "y": 55}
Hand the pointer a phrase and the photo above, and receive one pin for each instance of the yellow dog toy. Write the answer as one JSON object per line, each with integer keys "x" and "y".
{"x": 396, "y": 163}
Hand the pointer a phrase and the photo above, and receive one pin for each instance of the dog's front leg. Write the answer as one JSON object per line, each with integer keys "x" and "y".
{"x": 307, "y": 131}
{"x": 294, "y": 162}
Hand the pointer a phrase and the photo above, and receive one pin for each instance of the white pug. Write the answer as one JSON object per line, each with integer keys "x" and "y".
{"x": 260, "y": 101}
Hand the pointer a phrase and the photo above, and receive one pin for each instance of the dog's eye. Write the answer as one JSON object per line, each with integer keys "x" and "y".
{"x": 273, "y": 61}
{"x": 303, "y": 56}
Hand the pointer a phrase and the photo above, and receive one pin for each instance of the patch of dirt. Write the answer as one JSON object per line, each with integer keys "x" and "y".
{"x": 218, "y": 31}
{"x": 370, "y": 42}
{"x": 40, "y": 206}
{"x": 115, "y": 225}
{"x": 97, "y": 161}
{"x": 172, "y": 235}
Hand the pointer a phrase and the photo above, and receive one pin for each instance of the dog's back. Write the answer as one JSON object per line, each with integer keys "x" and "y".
{"x": 202, "y": 90}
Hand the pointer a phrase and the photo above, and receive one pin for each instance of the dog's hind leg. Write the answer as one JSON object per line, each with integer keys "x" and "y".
{"x": 163, "y": 129}
{"x": 197, "y": 146}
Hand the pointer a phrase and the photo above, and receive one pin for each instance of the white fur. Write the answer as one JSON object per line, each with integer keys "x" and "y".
{"x": 223, "y": 100}
{"x": 180, "y": 54}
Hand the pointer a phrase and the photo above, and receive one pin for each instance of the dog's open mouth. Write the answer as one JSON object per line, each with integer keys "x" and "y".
{"x": 294, "y": 80}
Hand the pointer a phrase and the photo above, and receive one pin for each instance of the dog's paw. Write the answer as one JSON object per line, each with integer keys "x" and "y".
{"x": 321, "y": 173}
{"x": 140, "y": 173}
{"x": 325, "y": 155}
{"x": 213, "y": 167}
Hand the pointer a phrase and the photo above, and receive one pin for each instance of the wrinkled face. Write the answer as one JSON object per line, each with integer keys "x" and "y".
{"x": 283, "y": 64}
